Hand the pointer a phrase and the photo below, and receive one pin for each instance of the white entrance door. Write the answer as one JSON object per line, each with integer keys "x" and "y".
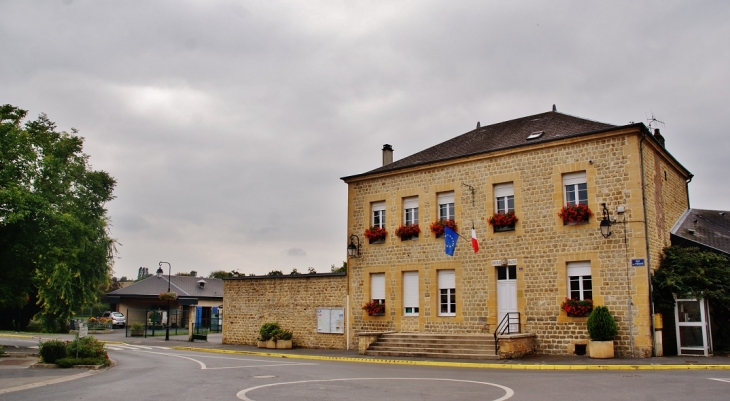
{"x": 692, "y": 327}
{"x": 507, "y": 294}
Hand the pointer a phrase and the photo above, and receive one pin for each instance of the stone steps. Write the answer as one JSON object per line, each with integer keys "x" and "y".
{"x": 417, "y": 345}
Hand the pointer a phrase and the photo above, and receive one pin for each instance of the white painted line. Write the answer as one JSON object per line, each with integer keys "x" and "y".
{"x": 720, "y": 380}
{"x": 508, "y": 391}
{"x": 203, "y": 366}
{"x": 123, "y": 347}
{"x": 47, "y": 382}
{"x": 261, "y": 366}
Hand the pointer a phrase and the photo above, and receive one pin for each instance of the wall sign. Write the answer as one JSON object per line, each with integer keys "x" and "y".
{"x": 637, "y": 262}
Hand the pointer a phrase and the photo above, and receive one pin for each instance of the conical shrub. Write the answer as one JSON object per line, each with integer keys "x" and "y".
{"x": 601, "y": 325}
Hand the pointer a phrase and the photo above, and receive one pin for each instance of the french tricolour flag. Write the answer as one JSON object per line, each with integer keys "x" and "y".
{"x": 474, "y": 242}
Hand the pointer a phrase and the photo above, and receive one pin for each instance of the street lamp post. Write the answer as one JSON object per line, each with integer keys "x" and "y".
{"x": 159, "y": 275}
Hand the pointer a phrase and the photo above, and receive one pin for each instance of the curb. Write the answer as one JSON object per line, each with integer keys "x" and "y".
{"x": 16, "y": 335}
{"x": 460, "y": 364}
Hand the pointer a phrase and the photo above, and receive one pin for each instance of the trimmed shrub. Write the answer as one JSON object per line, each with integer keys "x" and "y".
{"x": 88, "y": 347}
{"x": 601, "y": 325}
{"x": 268, "y": 330}
{"x": 52, "y": 350}
{"x": 284, "y": 335}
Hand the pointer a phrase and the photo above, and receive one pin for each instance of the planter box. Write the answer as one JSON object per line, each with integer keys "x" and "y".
{"x": 600, "y": 349}
{"x": 271, "y": 344}
{"x": 283, "y": 344}
{"x": 261, "y": 344}
{"x": 136, "y": 333}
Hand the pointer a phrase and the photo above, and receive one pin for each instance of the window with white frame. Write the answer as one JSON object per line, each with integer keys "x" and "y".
{"x": 575, "y": 189}
{"x": 378, "y": 210}
{"x": 580, "y": 285}
{"x": 377, "y": 288}
{"x": 410, "y": 219}
{"x": 410, "y": 210}
{"x": 410, "y": 294}
{"x": 447, "y": 293}
{"x": 504, "y": 195}
{"x": 446, "y": 205}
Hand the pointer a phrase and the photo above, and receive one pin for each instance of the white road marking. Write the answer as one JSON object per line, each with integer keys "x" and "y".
{"x": 720, "y": 380}
{"x": 203, "y": 366}
{"x": 123, "y": 347}
{"x": 508, "y": 391}
{"x": 47, "y": 382}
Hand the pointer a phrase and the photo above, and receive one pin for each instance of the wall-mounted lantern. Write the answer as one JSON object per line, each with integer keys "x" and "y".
{"x": 353, "y": 250}
{"x": 605, "y": 222}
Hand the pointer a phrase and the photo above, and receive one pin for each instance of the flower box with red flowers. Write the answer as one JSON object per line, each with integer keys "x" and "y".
{"x": 503, "y": 221}
{"x": 410, "y": 231}
{"x": 376, "y": 235}
{"x": 375, "y": 307}
{"x": 577, "y": 307}
{"x": 437, "y": 227}
{"x": 575, "y": 214}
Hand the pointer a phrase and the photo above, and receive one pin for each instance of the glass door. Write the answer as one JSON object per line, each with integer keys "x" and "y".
{"x": 692, "y": 328}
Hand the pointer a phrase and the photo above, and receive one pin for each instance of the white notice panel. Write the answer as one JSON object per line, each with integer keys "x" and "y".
{"x": 330, "y": 320}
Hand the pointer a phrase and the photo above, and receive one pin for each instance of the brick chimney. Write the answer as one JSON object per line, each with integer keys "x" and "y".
{"x": 387, "y": 154}
{"x": 659, "y": 138}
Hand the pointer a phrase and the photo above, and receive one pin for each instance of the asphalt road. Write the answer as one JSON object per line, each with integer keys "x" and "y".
{"x": 146, "y": 372}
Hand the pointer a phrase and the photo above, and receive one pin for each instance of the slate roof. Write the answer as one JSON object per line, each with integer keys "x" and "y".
{"x": 184, "y": 286}
{"x": 707, "y": 229}
{"x": 504, "y": 135}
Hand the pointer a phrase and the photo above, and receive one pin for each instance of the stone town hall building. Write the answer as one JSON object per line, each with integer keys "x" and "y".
{"x": 533, "y": 166}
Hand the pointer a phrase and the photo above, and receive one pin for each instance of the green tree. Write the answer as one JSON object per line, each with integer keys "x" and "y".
{"x": 54, "y": 228}
{"x": 691, "y": 273}
{"x": 220, "y": 274}
{"x": 341, "y": 269}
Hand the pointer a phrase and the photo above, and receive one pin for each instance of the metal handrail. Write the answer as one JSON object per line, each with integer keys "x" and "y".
{"x": 504, "y": 327}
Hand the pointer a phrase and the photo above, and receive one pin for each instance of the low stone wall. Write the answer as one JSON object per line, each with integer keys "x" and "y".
{"x": 516, "y": 345}
{"x": 291, "y": 301}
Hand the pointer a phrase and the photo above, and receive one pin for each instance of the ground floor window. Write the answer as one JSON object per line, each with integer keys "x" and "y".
{"x": 580, "y": 285}
{"x": 447, "y": 293}
{"x": 410, "y": 294}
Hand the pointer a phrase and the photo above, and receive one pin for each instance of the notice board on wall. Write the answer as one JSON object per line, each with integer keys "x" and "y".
{"x": 330, "y": 320}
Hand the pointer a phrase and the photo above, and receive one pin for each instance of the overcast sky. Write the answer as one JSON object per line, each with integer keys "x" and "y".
{"x": 228, "y": 124}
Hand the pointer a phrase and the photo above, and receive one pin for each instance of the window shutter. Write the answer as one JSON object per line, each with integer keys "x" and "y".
{"x": 446, "y": 279}
{"x": 377, "y": 286}
{"x": 502, "y": 190}
{"x": 445, "y": 198}
{"x": 410, "y": 289}
{"x": 579, "y": 269}
{"x": 378, "y": 206}
{"x": 410, "y": 203}
{"x": 574, "y": 178}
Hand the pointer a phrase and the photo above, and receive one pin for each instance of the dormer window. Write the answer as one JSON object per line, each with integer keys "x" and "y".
{"x": 201, "y": 284}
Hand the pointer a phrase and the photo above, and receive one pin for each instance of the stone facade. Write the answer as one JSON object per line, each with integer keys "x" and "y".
{"x": 618, "y": 164}
{"x": 291, "y": 301}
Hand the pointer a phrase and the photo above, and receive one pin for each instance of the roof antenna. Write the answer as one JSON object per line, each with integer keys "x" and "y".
{"x": 653, "y": 120}
{"x": 554, "y": 109}
{"x": 478, "y": 124}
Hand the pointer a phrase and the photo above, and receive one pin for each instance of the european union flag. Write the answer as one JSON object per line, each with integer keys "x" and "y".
{"x": 450, "y": 238}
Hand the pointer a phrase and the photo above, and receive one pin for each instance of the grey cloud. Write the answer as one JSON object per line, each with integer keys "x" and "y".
{"x": 228, "y": 124}
{"x": 296, "y": 252}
